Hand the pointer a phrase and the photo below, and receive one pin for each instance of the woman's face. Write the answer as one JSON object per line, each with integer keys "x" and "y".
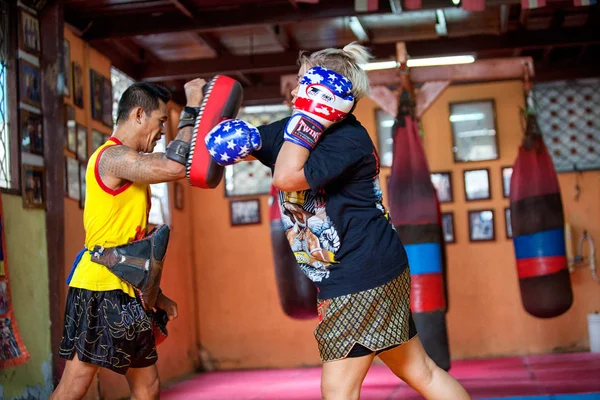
{"x": 301, "y": 73}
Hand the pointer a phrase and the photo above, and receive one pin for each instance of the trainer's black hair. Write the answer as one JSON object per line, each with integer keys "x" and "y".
{"x": 143, "y": 95}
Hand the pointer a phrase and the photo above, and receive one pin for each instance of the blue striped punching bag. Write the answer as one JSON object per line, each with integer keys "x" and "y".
{"x": 415, "y": 213}
{"x": 537, "y": 222}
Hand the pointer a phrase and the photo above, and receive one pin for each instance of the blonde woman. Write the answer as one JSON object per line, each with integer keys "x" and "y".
{"x": 326, "y": 165}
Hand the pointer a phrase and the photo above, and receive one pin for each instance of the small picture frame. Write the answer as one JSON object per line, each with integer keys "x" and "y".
{"x": 30, "y": 81}
{"x": 96, "y": 90}
{"x": 71, "y": 129}
{"x": 34, "y": 195}
{"x": 448, "y": 227}
{"x": 82, "y": 170}
{"x": 477, "y": 184}
{"x": 72, "y": 178}
{"x": 474, "y": 131}
{"x": 77, "y": 84}
{"x": 32, "y": 139}
{"x": 29, "y": 33}
{"x": 245, "y": 212}
{"x": 67, "y": 67}
{"x": 178, "y": 194}
{"x": 107, "y": 117}
{"x": 506, "y": 175}
{"x": 442, "y": 182}
{"x": 481, "y": 225}
{"x": 507, "y": 223}
{"x": 98, "y": 139}
{"x": 82, "y": 148}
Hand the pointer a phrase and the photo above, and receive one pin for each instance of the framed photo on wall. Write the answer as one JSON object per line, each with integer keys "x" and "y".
{"x": 448, "y": 227}
{"x": 477, "y": 184}
{"x": 98, "y": 139}
{"x": 107, "y": 103}
{"x": 506, "y": 175}
{"x": 72, "y": 178}
{"x": 77, "y": 84}
{"x": 30, "y": 89}
{"x": 82, "y": 150}
{"x": 507, "y": 223}
{"x": 481, "y": 225}
{"x": 33, "y": 186}
{"x": 29, "y": 33}
{"x": 67, "y": 67}
{"x": 82, "y": 169}
{"x": 71, "y": 140}
{"x": 442, "y": 182}
{"x": 96, "y": 90}
{"x": 474, "y": 132}
{"x": 245, "y": 212}
{"x": 32, "y": 140}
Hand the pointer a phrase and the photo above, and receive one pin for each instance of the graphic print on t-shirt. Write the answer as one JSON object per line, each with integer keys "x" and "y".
{"x": 309, "y": 231}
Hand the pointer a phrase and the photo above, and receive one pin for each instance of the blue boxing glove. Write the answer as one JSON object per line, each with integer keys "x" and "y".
{"x": 324, "y": 98}
{"x": 231, "y": 141}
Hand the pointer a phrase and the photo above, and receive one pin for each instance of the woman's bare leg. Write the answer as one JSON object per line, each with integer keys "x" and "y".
{"x": 342, "y": 379}
{"x": 411, "y": 363}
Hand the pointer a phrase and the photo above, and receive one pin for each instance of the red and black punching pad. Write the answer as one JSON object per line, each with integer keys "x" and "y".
{"x": 415, "y": 213}
{"x": 222, "y": 100}
{"x": 297, "y": 294}
{"x": 537, "y": 221}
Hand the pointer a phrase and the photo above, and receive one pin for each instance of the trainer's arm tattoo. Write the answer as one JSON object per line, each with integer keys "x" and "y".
{"x": 125, "y": 163}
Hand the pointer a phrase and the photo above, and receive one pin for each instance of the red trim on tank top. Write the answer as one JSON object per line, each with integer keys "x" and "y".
{"x": 108, "y": 190}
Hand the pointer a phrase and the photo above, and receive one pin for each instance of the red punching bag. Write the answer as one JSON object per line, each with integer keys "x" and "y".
{"x": 297, "y": 294}
{"x": 537, "y": 222}
{"x": 415, "y": 213}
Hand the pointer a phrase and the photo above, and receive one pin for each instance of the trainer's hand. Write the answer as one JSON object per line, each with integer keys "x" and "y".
{"x": 165, "y": 303}
{"x": 193, "y": 92}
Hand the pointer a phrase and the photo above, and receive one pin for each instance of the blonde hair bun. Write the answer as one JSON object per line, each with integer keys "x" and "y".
{"x": 358, "y": 53}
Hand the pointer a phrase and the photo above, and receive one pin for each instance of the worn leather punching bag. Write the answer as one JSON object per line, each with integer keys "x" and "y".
{"x": 297, "y": 294}
{"x": 415, "y": 213}
{"x": 537, "y": 222}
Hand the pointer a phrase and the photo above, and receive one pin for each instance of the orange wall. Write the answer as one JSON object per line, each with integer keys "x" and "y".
{"x": 241, "y": 322}
{"x": 485, "y": 316}
{"x": 178, "y": 354}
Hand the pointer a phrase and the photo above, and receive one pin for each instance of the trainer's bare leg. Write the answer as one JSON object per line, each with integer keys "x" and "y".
{"x": 342, "y": 379}
{"x": 411, "y": 363}
{"x": 75, "y": 381}
{"x": 144, "y": 383}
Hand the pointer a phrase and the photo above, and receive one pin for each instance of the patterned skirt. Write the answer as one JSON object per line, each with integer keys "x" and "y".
{"x": 377, "y": 318}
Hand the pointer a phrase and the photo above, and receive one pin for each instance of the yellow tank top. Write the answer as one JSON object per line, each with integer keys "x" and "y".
{"x": 110, "y": 218}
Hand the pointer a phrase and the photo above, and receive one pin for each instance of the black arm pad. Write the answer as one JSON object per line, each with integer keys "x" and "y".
{"x": 178, "y": 151}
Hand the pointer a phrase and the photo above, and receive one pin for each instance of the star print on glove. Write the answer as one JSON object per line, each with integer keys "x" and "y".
{"x": 231, "y": 141}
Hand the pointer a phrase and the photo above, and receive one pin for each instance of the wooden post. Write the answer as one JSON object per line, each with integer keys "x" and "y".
{"x": 51, "y": 62}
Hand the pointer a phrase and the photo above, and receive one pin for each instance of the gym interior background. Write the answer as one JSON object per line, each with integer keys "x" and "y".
{"x": 64, "y": 64}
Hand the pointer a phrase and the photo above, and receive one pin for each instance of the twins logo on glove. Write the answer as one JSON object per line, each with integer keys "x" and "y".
{"x": 232, "y": 140}
{"x": 324, "y": 98}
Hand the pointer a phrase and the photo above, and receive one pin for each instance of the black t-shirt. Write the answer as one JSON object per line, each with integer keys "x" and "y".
{"x": 339, "y": 230}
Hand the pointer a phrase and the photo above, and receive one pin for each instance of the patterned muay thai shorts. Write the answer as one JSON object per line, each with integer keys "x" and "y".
{"x": 108, "y": 329}
{"x": 370, "y": 321}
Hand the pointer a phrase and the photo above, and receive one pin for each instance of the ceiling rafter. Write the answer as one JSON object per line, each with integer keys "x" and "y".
{"x": 205, "y": 38}
{"x": 286, "y": 61}
{"x": 242, "y": 16}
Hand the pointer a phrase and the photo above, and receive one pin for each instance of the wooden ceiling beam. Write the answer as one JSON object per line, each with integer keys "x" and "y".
{"x": 241, "y": 16}
{"x": 286, "y": 61}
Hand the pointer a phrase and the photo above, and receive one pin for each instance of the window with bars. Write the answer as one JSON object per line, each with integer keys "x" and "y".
{"x": 159, "y": 212}
{"x": 6, "y": 178}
